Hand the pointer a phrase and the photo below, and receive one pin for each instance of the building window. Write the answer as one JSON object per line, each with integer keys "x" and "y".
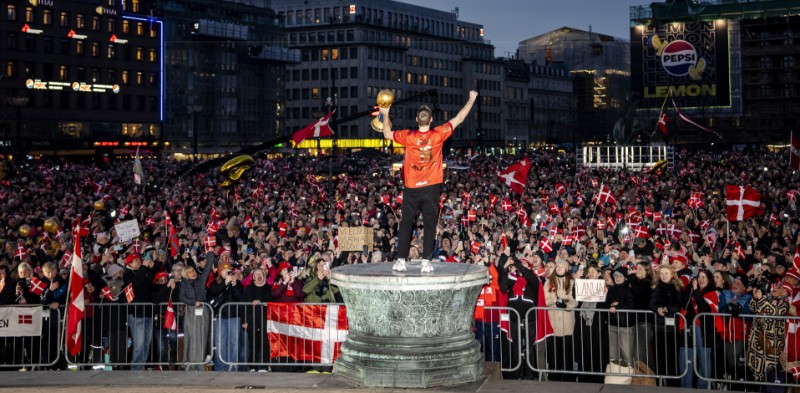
{"x": 139, "y": 78}
{"x": 11, "y": 41}
{"x": 153, "y": 56}
{"x": 354, "y": 53}
{"x": 95, "y": 49}
{"x": 139, "y": 28}
{"x": 79, "y": 48}
{"x": 112, "y": 51}
{"x": 153, "y": 32}
{"x": 111, "y": 25}
{"x": 135, "y": 6}
{"x": 325, "y": 54}
{"x": 65, "y": 46}
{"x": 30, "y": 16}
{"x": 30, "y": 43}
{"x": 153, "y": 79}
{"x": 788, "y": 62}
{"x": 289, "y": 18}
{"x": 126, "y": 27}
{"x": 11, "y": 69}
{"x": 95, "y": 75}
{"x": 335, "y": 54}
{"x": 315, "y": 93}
{"x": 125, "y": 77}
{"x": 139, "y": 53}
{"x": 63, "y": 19}
{"x": 47, "y": 44}
{"x": 11, "y": 12}
{"x": 47, "y": 17}
{"x": 63, "y": 74}
{"x": 80, "y": 21}
{"x": 95, "y": 23}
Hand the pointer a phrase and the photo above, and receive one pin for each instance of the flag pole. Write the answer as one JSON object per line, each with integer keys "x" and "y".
{"x": 663, "y": 104}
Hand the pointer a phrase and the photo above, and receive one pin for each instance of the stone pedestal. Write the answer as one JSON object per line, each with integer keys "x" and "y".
{"x": 410, "y": 329}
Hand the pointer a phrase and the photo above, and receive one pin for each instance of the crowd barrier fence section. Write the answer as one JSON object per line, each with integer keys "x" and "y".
{"x": 30, "y": 336}
{"x": 732, "y": 352}
{"x": 139, "y": 336}
{"x": 496, "y": 335}
{"x": 592, "y": 344}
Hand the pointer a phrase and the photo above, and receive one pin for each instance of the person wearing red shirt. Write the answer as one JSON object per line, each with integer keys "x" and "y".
{"x": 423, "y": 176}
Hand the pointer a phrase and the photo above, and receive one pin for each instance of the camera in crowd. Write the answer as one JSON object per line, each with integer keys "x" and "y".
{"x": 734, "y": 309}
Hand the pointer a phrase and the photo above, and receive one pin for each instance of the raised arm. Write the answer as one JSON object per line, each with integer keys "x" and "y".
{"x": 462, "y": 114}
{"x": 388, "y": 134}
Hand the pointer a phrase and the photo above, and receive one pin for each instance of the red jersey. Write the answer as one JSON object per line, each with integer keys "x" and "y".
{"x": 422, "y": 163}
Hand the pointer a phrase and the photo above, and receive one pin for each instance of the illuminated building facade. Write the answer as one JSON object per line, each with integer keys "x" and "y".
{"x": 225, "y": 64}
{"x": 600, "y": 67}
{"x": 75, "y": 75}
{"x": 749, "y": 92}
{"x": 352, "y": 50}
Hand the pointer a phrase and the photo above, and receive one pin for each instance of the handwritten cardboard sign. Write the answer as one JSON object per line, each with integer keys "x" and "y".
{"x": 127, "y": 230}
{"x": 590, "y": 290}
{"x": 355, "y": 238}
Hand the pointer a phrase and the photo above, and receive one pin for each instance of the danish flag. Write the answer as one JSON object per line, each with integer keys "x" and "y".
{"x": 472, "y": 215}
{"x": 318, "y": 129}
{"x": 129, "y": 295}
{"x": 210, "y": 243}
{"x": 20, "y": 252}
{"x": 475, "y": 246}
{"x": 506, "y": 205}
{"x": 76, "y": 294}
{"x": 106, "y": 294}
{"x": 560, "y": 189}
{"x": 516, "y": 175}
{"x": 306, "y": 332}
{"x": 695, "y": 201}
{"x": 545, "y": 245}
{"x": 743, "y": 202}
{"x": 37, "y": 286}
{"x": 170, "y": 322}
{"x": 605, "y": 195}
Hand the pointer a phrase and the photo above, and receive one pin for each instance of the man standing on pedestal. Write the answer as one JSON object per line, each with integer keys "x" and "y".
{"x": 423, "y": 176}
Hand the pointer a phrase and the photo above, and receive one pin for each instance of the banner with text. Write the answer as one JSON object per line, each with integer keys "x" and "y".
{"x": 590, "y": 290}
{"x": 20, "y": 321}
{"x": 690, "y": 59}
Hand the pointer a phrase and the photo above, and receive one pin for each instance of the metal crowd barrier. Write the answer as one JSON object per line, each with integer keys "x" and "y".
{"x": 591, "y": 344}
{"x": 750, "y": 351}
{"x": 29, "y": 347}
{"x": 136, "y": 336}
{"x": 281, "y": 336}
{"x": 500, "y": 336}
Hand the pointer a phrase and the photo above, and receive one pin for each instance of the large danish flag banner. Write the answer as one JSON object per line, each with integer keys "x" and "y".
{"x": 306, "y": 332}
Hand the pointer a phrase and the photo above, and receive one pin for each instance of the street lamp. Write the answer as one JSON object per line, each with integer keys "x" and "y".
{"x": 18, "y": 102}
{"x": 194, "y": 109}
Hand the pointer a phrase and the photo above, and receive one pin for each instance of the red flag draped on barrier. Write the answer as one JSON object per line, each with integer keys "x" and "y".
{"x": 169, "y": 317}
{"x": 303, "y": 332}
{"x": 544, "y": 328}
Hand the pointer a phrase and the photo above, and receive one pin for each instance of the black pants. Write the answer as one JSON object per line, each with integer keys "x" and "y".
{"x": 426, "y": 200}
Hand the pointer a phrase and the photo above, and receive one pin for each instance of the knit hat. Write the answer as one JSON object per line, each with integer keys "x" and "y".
{"x": 284, "y": 265}
{"x": 113, "y": 270}
{"x": 132, "y": 257}
{"x": 159, "y": 276}
{"x": 792, "y": 272}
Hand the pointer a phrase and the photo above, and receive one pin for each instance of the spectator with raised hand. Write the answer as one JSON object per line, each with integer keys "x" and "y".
{"x": 226, "y": 289}
{"x": 197, "y": 318}
{"x": 558, "y": 293}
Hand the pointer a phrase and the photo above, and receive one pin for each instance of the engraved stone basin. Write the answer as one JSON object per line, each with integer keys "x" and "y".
{"x": 410, "y": 329}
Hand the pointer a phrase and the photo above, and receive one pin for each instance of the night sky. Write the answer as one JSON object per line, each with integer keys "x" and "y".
{"x": 507, "y": 22}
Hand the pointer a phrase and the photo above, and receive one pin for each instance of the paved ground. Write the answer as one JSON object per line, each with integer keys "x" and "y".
{"x": 211, "y": 382}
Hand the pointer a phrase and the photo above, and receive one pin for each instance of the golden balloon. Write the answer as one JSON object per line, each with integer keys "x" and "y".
{"x": 50, "y": 225}
{"x": 99, "y": 205}
{"x": 385, "y": 98}
{"x": 233, "y": 170}
{"x": 25, "y": 230}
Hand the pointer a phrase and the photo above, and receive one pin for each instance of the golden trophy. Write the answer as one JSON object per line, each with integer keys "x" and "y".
{"x": 385, "y": 100}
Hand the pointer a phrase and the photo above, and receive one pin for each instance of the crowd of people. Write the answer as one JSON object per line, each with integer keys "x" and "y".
{"x": 272, "y": 237}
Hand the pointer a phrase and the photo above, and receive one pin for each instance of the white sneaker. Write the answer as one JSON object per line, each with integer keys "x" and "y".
{"x": 427, "y": 266}
{"x": 400, "y": 265}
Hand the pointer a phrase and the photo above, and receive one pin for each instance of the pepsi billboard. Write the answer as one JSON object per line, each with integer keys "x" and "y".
{"x": 688, "y": 61}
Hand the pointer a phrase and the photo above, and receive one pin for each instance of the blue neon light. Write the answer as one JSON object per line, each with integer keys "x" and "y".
{"x": 161, "y": 66}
